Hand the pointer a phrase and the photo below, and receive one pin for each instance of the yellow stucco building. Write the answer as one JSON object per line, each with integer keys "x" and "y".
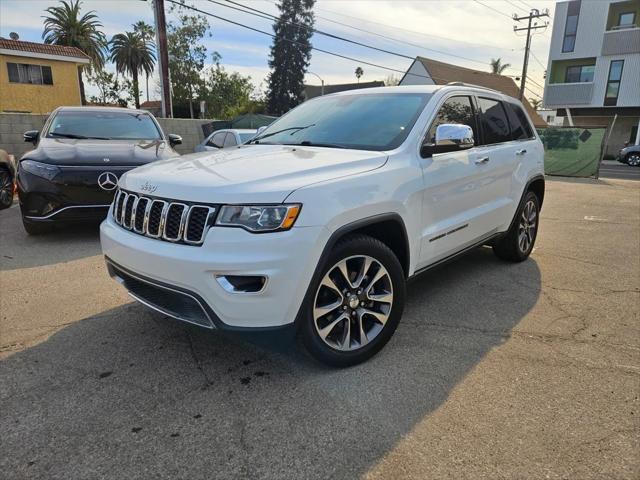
{"x": 38, "y": 78}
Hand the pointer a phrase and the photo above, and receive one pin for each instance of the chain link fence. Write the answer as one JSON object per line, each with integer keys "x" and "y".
{"x": 572, "y": 152}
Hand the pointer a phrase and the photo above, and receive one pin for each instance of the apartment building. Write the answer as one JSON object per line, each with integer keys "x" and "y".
{"x": 593, "y": 74}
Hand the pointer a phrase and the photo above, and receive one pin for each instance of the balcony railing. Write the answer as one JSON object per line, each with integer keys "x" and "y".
{"x": 563, "y": 94}
{"x": 621, "y": 41}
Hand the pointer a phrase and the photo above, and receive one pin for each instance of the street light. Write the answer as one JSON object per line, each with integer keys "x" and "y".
{"x": 321, "y": 82}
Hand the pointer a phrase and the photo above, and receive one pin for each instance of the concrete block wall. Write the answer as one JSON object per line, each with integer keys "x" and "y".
{"x": 13, "y": 125}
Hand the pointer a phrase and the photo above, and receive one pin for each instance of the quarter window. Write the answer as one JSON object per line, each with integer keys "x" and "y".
{"x": 579, "y": 73}
{"x": 27, "y": 73}
{"x": 571, "y": 26}
{"x": 613, "y": 84}
{"x": 453, "y": 110}
{"x": 493, "y": 118}
{"x": 217, "y": 140}
{"x": 520, "y": 127}
{"x": 230, "y": 140}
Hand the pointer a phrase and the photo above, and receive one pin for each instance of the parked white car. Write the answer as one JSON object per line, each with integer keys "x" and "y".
{"x": 317, "y": 224}
{"x": 224, "y": 139}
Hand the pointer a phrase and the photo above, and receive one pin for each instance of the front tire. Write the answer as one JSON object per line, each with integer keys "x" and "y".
{"x": 6, "y": 188}
{"x": 354, "y": 305}
{"x": 633, "y": 159}
{"x": 518, "y": 242}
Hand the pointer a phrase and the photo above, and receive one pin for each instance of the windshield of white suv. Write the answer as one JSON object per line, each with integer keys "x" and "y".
{"x": 103, "y": 125}
{"x": 377, "y": 121}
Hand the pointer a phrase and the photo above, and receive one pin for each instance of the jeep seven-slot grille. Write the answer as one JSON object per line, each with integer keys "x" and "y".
{"x": 164, "y": 219}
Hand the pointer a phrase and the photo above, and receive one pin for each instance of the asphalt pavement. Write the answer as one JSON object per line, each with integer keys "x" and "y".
{"x": 497, "y": 370}
{"x": 616, "y": 170}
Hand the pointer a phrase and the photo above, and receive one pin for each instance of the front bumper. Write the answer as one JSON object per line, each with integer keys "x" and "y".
{"x": 71, "y": 196}
{"x": 288, "y": 260}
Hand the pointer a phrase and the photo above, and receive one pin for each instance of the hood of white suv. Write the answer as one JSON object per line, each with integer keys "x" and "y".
{"x": 248, "y": 174}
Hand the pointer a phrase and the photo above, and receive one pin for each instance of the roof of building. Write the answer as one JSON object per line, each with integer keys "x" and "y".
{"x": 44, "y": 49}
{"x": 312, "y": 91}
{"x": 443, "y": 73}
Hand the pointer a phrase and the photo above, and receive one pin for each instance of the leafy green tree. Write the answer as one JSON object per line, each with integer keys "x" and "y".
{"x": 359, "y": 73}
{"x": 497, "y": 66}
{"x": 187, "y": 56}
{"x": 226, "y": 94}
{"x": 64, "y": 25}
{"x": 290, "y": 55}
{"x": 147, "y": 33}
{"x": 132, "y": 56}
{"x": 110, "y": 90}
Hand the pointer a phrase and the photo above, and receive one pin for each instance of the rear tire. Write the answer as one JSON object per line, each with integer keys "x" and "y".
{"x": 346, "y": 321}
{"x": 518, "y": 242}
{"x": 35, "y": 228}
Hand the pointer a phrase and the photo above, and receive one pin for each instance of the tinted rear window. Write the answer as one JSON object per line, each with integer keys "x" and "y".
{"x": 494, "y": 121}
{"x": 109, "y": 125}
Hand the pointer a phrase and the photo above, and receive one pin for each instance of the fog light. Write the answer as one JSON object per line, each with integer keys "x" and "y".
{"x": 242, "y": 283}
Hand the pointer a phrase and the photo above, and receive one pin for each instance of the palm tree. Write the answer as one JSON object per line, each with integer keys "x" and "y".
{"x": 497, "y": 66}
{"x": 147, "y": 33}
{"x": 536, "y": 103}
{"x": 359, "y": 73}
{"x": 66, "y": 26}
{"x": 132, "y": 56}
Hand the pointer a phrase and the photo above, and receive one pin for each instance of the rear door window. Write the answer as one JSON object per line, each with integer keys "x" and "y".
{"x": 493, "y": 118}
{"x": 520, "y": 127}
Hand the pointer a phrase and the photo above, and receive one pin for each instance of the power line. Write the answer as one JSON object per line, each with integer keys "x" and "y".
{"x": 516, "y": 6}
{"x": 494, "y": 9}
{"x": 538, "y": 60}
{"x": 177, "y": 2}
{"x": 262, "y": 14}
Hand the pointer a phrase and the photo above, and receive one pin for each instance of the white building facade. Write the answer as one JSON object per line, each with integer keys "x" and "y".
{"x": 593, "y": 74}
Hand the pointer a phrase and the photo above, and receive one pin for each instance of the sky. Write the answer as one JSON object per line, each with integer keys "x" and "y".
{"x": 468, "y": 33}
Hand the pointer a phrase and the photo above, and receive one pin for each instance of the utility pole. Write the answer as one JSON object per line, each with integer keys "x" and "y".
{"x": 163, "y": 57}
{"x": 534, "y": 14}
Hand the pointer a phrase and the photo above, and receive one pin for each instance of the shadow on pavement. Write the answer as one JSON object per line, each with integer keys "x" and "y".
{"x": 20, "y": 250}
{"x": 131, "y": 394}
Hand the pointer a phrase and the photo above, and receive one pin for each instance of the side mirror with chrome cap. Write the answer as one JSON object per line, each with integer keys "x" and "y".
{"x": 31, "y": 136}
{"x": 450, "y": 137}
{"x": 174, "y": 139}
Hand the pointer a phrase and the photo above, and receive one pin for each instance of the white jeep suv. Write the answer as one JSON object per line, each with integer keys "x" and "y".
{"x": 319, "y": 221}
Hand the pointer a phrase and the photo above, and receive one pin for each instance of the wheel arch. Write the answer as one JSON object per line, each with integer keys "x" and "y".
{"x": 389, "y": 228}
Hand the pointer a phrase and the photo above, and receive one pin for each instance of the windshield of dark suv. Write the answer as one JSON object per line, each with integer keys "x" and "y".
{"x": 377, "y": 121}
{"x": 107, "y": 125}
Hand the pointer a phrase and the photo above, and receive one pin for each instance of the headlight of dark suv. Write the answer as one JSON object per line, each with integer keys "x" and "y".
{"x": 259, "y": 218}
{"x": 39, "y": 169}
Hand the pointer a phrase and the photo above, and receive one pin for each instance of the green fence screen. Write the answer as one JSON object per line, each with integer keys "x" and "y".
{"x": 572, "y": 152}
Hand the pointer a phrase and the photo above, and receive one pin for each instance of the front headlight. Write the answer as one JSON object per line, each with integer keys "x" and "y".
{"x": 259, "y": 218}
{"x": 43, "y": 170}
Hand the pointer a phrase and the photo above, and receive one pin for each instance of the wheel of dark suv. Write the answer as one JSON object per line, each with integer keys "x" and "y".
{"x": 355, "y": 304}
{"x": 6, "y": 188}
{"x": 633, "y": 159}
{"x": 35, "y": 228}
{"x": 518, "y": 242}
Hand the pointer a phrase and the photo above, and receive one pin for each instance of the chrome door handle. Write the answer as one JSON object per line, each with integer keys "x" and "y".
{"x": 521, "y": 152}
{"x": 482, "y": 160}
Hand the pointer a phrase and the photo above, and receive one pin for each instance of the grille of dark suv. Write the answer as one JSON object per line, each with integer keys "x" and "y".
{"x": 164, "y": 219}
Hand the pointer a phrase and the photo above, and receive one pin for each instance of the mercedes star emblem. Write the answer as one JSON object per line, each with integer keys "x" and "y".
{"x": 107, "y": 181}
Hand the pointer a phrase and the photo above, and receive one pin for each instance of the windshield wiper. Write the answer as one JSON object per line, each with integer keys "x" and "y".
{"x": 77, "y": 137}
{"x": 309, "y": 143}
{"x": 296, "y": 129}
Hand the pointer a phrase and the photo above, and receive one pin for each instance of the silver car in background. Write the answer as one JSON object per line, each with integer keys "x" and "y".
{"x": 225, "y": 138}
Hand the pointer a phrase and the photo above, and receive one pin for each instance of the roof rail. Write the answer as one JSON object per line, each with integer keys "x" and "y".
{"x": 463, "y": 84}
